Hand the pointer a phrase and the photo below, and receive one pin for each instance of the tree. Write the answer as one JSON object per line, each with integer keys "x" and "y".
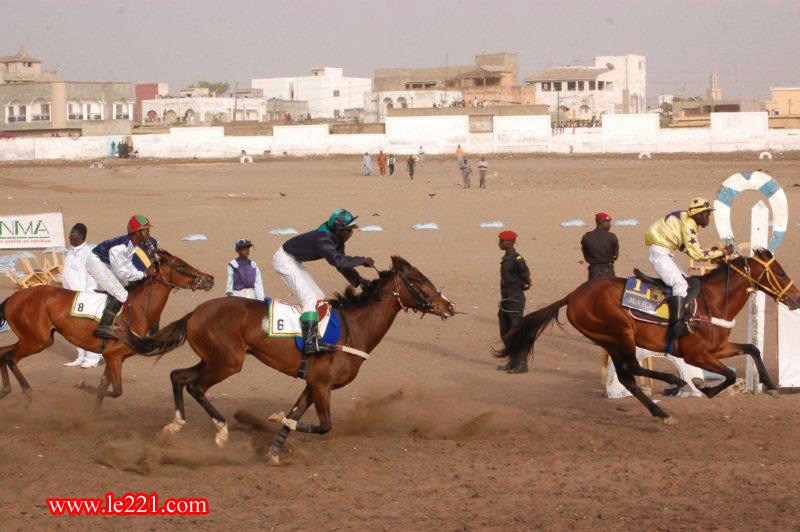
{"x": 220, "y": 87}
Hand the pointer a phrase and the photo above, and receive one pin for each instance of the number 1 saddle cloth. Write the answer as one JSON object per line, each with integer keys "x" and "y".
{"x": 647, "y": 301}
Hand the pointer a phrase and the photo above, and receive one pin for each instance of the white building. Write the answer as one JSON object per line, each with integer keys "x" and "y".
{"x": 201, "y": 110}
{"x": 327, "y": 91}
{"x": 376, "y": 104}
{"x": 615, "y": 84}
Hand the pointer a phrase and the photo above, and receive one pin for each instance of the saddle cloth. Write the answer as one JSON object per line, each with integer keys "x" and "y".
{"x": 284, "y": 318}
{"x": 648, "y": 302}
{"x": 88, "y": 305}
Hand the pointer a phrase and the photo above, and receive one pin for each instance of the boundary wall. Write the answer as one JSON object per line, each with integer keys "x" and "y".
{"x": 436, "y": 134}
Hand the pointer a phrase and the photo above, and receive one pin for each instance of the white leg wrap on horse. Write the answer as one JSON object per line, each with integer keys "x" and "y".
{"x": 176, "y": 425}
{"x": 281, "y": 418}
{"x": 222, "y": 433}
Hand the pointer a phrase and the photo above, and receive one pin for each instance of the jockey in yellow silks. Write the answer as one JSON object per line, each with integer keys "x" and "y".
{"x": 678, "y": 231}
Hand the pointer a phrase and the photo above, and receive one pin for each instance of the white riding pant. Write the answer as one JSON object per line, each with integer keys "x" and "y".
{"x": 297, "y": 278}
{"x": 666, "y": 268}
{"x": 105, "y": 278}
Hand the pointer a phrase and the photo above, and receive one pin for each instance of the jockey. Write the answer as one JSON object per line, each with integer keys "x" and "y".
{"x": 325, "y": 242}
{"x": 119, "y": 261}
{"x": 678, "y": 231}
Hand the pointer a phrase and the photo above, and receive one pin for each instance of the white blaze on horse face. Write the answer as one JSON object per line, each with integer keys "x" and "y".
{"x": 176, "y": 425}
{"x": 222, "y": 433}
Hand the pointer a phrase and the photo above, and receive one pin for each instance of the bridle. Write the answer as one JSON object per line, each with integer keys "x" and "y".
{"x": 771, "y": 287}
{"x": 420, "y": 303}
{"x": 198, "y": 281}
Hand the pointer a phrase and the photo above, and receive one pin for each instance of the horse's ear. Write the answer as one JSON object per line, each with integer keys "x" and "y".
{"x": 764, "y": 253}
{"x": 401, "y": 265}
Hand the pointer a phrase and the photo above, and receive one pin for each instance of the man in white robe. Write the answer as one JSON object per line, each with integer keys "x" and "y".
{"x": 75, "y": 277}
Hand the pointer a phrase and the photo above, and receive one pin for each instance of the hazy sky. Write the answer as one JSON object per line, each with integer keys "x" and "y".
{"x": 752, "y": 44}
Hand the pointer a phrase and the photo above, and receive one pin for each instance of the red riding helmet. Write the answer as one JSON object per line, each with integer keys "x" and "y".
{"x": 138, "y": 222}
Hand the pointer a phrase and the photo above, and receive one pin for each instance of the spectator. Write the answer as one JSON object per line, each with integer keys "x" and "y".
{"x": 411, "y": 163}
{"x": 366, "y": 162}
{"x": 483, "y": 167}
{"x": 392, "y": 162}
{"x": 244, "y": 277}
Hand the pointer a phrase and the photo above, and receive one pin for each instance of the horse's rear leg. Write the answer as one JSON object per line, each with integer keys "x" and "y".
{"x": 6, "y": 382}
{"x": 208, "y": 377}
{"x": 112, "y": 375}
{"x": 289, "y": 422}
{"x": 625, "y": 364}
{"x": 180, "y": 378}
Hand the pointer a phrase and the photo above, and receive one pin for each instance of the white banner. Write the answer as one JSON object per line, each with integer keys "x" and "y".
{"x": 788, "y": 347}
{"x": 18, "y": 231}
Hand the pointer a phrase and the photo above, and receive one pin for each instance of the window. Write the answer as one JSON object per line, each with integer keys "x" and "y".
{"x": 40, "y": 111}
{"x": 336, "y": 94}
{"x": 640, "y": 64}
{"x": 600, "y": 85}
{"x": 121, "y": 111}
{"x": 546, "y": 86}
{"x": 556, "y": 85}
{"x": 94, "y": 111}
{"x": 580, "y": 85}
{"x": 592, "y": 85}
{"x": 609, "y": 86}
{"x": 28, "y": 64}
{"x": 15, "y": 113}
{"x": 336, "y": 113}
{"x": 75, "y": 111}
{"x": 570, "y": 85}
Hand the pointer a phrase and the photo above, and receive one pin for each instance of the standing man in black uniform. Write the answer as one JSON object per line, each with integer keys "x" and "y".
{"x": 515, "y": 278}
{"x": 600, "y": 247}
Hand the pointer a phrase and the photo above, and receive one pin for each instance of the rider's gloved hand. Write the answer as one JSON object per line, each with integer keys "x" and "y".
{"x": 729, "y": 249}
{"x": 368, "y": 262}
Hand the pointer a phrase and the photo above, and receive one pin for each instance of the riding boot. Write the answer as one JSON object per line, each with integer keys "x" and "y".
{"x": 103, "y": 330}
{"x": 677, "y": 313}
{"x": 519, "y": 365}
{"x": 313, "y": 344}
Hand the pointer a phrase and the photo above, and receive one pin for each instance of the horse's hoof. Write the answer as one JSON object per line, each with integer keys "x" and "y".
{"x": 273, "y": 459}
{"x": 774, "y": 394}
{"x": 670, "y": 421}
{"x": 221, "y": 437}
{"x": 699, "y": 383}
{"x": 172, "y": 428}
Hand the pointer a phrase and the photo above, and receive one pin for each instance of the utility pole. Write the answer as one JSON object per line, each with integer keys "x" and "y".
{"x": 235, "y": 99}
{"x": 445, "y": 76}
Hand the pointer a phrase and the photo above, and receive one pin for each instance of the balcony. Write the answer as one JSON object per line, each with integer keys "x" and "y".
{"x": 40, "y": 118}
{"x": 16, "y": 119}
{"x": 75, "y": 116}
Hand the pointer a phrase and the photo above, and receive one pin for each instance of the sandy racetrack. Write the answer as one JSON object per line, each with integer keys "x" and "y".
{"x": 429, "y": 434}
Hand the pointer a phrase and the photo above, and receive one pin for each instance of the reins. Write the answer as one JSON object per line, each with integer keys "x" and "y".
{"x": 772, "y": 287}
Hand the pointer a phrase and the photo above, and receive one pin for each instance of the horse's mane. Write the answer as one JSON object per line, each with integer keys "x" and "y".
{"x": 351, "y": 299}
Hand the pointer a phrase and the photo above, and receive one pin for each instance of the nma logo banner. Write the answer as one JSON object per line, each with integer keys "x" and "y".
{"x": 31, "y": 231}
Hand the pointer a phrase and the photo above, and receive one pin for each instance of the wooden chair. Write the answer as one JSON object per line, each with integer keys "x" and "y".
{"x": 17, "y": 281}
{"x": 34, "y": 276}
{"x": 53, "y": 266}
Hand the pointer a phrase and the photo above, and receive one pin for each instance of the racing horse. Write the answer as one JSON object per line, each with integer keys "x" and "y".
{"x": 223, "y": 331}
{"x": 35, "y": 314}
{"x": 594, "y": 309}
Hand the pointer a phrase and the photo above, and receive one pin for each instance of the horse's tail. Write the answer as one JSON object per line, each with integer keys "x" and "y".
{"x": 520, "y": 339}
{"x": 170, "y": 337}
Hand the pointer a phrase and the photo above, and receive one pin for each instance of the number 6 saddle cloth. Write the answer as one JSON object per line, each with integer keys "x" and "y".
{"x": 283, "y": 321}
{"x": 88, "y": 305}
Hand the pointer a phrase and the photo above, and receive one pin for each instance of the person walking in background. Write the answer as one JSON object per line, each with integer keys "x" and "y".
{"x": 515, "y": 279}
{"x": 392, "y": 162}
{"x": 421, "y": 153}
{"x": 382, "y": 163}
{"x": 411, "y": 163}
{"x": 600, "y": 247}
{"x": 483, "y": 167}
{"x": 466, "y": 172}
{"x": 459, "y": 153}
{"x": 244, "y": 277}
{"x": 366, "y": 162}
{"x": 75, "y": 277}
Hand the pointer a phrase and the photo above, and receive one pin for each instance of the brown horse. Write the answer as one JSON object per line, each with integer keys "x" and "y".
{"x": 594, "y": 309}
{"x": 223, "y": 331}
{"x": 36, "y": 314}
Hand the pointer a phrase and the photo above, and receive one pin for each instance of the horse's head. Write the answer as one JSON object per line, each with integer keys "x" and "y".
{"x": 764, "y": 273}
{"x": 177, "y": 273}
{"x": 415, "y": 291}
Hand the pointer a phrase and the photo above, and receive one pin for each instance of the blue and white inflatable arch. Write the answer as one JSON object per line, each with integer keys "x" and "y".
{"x": 736, "y": 184}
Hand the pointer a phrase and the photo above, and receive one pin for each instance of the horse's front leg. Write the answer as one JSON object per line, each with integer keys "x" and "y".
{"x": 711, "y": 362}
{"x": 290, "y": 422}
{"x": 763, "y": 376}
